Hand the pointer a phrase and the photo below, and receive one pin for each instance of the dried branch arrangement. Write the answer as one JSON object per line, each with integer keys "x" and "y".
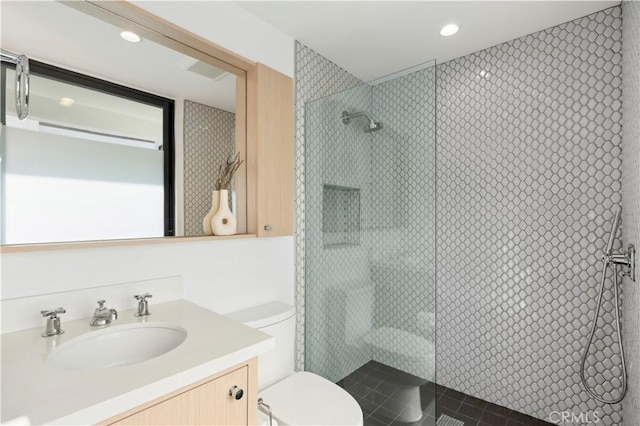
{"x": 227, "y": 171}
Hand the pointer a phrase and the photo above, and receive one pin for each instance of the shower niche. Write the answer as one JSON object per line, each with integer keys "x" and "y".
{"x": 340, "y": 216}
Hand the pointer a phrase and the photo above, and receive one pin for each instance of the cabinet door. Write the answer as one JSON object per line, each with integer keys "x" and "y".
{"x": 270, "y": 99}
{"x": 207, "y": 404}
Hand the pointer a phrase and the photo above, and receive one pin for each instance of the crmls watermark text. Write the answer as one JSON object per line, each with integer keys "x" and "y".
{"x": 568, "y": 417}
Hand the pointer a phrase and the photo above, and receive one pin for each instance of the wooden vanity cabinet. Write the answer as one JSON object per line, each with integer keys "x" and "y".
{"x": 206, "y": 402}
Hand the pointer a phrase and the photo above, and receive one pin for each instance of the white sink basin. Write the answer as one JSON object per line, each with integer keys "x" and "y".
{"x": 117, "y": 346}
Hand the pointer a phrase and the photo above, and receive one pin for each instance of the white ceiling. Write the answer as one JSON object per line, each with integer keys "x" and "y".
{"x": 374, "y": 39}
{"x": 57, "y": 34}
{"x": 368, "y": 39}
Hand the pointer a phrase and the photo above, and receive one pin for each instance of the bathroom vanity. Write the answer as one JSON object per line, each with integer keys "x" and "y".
{"x": 219, "y": 400}
{"x": 86, "y": 375}
{"x": 209, "y": 378}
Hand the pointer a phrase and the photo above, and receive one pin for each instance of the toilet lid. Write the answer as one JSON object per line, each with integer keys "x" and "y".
{"x": 307, "y": 399}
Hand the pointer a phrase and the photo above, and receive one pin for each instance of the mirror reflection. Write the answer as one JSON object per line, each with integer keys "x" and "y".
{"x": 124, "y": 137}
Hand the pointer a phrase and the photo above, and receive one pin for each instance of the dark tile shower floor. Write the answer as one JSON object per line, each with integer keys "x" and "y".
{"x": 379, "y": 391}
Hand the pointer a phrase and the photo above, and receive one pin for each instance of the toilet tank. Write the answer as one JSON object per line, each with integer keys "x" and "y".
{"x": 277, "y": 319}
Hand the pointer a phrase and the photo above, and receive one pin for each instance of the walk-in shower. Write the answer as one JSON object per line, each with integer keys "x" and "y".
{"x": 526, "y": 187}
{"x": 627, "y": 260}
{"x": 372, "y": 126}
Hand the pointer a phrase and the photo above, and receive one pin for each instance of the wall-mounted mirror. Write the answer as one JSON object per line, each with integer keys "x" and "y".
{"x": 124, "y": 137}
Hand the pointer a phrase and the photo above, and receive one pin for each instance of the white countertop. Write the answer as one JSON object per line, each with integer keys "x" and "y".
{"x": 32, "y": 387}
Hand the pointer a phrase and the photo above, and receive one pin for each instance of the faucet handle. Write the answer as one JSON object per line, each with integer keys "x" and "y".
{"x": 53, "y": 322}
{"x": 143, "y": 297}
{"x": 143, "y": 305}
{"x": 101, "y": 303}
{"x": 53, "y": 313}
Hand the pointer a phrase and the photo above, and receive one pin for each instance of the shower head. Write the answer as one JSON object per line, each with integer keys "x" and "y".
{"x": 614, "y": 230}
{"x": 372, "y": 126}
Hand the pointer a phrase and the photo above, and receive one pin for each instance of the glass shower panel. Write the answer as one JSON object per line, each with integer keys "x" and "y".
{"x": 338, "y": 278}
{"x": 370, "y": 241}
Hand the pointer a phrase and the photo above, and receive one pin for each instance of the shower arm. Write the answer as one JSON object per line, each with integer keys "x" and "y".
{"x": 22, "y": 81}
{"x": 372, "y": 126}
{"x": 346, "y": 117}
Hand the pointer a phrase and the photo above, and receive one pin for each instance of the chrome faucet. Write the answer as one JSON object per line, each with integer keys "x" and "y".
{"x": 143, "y": 305}
{"x": 102, "y": 315}
{"x": 53, "y": 322}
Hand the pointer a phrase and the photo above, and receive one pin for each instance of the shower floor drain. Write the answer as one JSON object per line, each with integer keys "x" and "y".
{"x": 445, "y": 420}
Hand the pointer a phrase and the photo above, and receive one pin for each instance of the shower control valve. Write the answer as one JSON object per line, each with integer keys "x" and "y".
{"x": 627, "y": 258}
{"x": 631, "y": 271}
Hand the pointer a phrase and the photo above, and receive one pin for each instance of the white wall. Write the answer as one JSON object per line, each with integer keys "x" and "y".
{"x": 230, "y": 26}
{"x": 223, "y": 276}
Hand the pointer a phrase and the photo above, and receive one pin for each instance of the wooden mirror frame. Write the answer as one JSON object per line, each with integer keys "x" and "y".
{"x": 126, "y": 15}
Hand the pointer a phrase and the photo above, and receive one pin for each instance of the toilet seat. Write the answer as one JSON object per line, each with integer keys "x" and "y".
{"x": 307, "y": 399}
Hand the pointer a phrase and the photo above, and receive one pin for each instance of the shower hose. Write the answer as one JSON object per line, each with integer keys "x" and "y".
{"x": 593, "y": 330}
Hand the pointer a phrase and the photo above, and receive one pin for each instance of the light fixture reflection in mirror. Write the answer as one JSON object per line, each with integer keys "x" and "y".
{"x": 130, "y": 36}
{"x": 204, "y": 96}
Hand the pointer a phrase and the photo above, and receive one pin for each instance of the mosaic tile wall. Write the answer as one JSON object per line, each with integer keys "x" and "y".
{"x": 528, "y": 175}
{"x": 208, "y": 142}
{"x": 316, "y": 77}
{"x": 631, "y": 201}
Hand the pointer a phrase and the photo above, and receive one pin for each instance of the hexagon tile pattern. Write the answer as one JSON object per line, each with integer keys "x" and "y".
{"x": 631, "y": 200}
{"x": 528, "y": 172}
{"x": 208, "y": 142}
{"x": 315, "y": 77}
{"x": 528, "y": 175}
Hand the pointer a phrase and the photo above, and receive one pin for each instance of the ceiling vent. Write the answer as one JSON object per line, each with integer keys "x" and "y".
{"x": 207, "y": 70}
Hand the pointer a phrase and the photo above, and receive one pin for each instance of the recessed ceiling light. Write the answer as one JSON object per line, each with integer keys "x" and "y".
{"x": 449, "y": 29}
{"x": 66, "y": 102}
{"x": 130, "y": 36}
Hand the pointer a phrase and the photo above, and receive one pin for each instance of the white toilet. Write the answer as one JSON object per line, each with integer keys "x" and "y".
{"x": 407, "y": 351}
{"x": 301, "y": 398}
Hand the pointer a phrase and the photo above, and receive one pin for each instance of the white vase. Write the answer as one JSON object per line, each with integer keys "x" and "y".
{"x": 224, "y": 222}
{"x": 215, "y": 205}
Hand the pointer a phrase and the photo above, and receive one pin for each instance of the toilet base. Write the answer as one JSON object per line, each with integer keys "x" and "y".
{"x": 409, "y": 396}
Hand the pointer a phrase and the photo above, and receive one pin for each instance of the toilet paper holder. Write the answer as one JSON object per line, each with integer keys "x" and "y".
{"x": 268, "y": 407}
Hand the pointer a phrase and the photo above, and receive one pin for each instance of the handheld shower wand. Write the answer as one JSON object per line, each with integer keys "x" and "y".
{"x": 614, "y": 230}
{"x": 610, "y": 259}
